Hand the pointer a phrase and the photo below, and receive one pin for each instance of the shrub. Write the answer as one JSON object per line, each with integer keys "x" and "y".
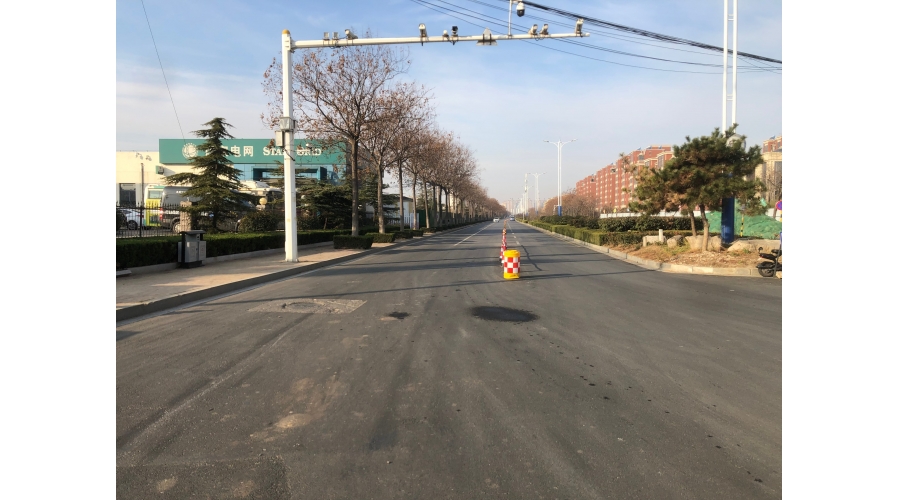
{"x": 260, "y": 221}
{"x": 417, "y": 232}
{"x": 353, "y": 242}
{"x": 218, "y": 245}
{"x": 381, "y": 238}
{"x": 137, "y": 252}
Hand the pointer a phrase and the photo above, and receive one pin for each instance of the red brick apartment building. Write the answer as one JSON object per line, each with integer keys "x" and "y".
{"x": 604, "y": 188}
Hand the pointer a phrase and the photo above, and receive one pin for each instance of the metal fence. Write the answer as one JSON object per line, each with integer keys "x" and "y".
{"x": 149, "y": 220}
{"x": 140, "y": 221}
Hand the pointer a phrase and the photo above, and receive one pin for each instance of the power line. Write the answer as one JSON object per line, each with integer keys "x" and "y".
{"x": 642, "y": 32}
{"x": 624, "y": 38}
{"x": 163, "y": 71}
{"x": 499, "y": 22}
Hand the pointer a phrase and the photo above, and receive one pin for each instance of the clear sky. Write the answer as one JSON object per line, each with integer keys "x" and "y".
{"x": 503, "y": 101}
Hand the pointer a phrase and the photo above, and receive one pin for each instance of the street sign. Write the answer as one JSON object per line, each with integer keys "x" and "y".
{"x": 778, "y": 205}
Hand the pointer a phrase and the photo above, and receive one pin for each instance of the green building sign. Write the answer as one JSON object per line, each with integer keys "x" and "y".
{"x": 255, "y": 151}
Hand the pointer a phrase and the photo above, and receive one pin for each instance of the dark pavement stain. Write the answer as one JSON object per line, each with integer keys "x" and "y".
{"x": 493, "y": 313}
{"x": 398, "y": 315}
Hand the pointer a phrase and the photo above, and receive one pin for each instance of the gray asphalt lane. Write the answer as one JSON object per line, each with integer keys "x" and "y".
{"x": 624, "y": 383}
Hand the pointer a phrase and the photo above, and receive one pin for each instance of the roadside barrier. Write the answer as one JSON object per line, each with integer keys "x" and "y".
{"x": 511, "y": 264}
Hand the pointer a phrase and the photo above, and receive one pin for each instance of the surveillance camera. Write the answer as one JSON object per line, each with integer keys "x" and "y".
{"x": 520, "y": 9}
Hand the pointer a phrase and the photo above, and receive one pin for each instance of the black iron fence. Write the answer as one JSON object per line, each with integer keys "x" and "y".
{"x": 136, "y": 221}
{"x": 142, "y": 221}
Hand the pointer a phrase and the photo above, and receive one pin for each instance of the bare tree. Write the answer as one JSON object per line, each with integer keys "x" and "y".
{"x": 408, "y": 113}
{"x": 337, "y": 94}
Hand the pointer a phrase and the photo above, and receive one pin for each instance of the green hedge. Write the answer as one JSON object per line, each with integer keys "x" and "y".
{"x": 137, "y": 252}
{"x": 353, "y": 242}
{"x": 607, "y": 239}
{"x": 622, "y": 224}
{"x": 382, "y": 238}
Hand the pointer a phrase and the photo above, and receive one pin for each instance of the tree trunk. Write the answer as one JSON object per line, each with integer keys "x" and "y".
{"x": 438, "y": 208}
{"x": 354, "y": 183}
{"x": 704, "y": 247}
{"x": 400, "y": 178}
{"x": 380, "y": 202}
{"x": 693, "y": 223}
{"x": 415, "y": 224}
{"x": 427, "y": 215}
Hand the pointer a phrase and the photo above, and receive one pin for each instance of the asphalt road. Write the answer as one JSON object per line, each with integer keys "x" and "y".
{"x": 421, "y": 373}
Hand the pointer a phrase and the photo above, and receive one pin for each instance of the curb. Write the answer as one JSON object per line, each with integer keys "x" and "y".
{"x": 155, "y": 306}
{"x": 658, "y": 266}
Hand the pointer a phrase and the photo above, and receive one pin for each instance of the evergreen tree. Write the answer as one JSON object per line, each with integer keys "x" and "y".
{"x": 331, "y": 204}
{"x": 706, "y": 169}
{"x": 216, "y": 182}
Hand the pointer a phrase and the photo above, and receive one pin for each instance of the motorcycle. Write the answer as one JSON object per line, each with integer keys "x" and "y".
{"x": 772, "y": 265}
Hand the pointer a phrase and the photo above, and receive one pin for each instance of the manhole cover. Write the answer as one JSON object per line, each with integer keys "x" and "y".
{"x": 310, "y": 306}
{"x": 493, "y": 313}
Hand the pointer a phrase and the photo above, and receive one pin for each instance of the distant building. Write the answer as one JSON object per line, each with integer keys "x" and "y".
{"x": 769, "y": 171}
{"x": 605, "y": 187}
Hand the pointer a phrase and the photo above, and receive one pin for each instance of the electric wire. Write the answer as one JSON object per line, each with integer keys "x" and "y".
{"x": 588, "y": 45}
{"x": 499, "y": 22}
{"x": 163, "y": 71}
{"x": 642, "y": 32}
{"x": 617, "y": 36}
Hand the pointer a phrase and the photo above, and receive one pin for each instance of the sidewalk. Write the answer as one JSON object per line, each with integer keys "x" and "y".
{"x": 141, "y": 294}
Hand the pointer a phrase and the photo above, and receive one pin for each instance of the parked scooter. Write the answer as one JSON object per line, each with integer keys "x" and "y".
{"x": 772, "y": 265}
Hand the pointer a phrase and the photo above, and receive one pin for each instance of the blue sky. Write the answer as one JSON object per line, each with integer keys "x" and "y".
{"x": 503, "y": 101}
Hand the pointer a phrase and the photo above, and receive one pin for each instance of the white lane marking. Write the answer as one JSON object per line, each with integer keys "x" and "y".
{"x": 482, "y": 229}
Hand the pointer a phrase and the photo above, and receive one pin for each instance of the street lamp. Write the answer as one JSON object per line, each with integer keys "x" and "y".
{"x": 288, "y": 45}
{"x": 559, "y": 144}
{"x": 537, "y": 188}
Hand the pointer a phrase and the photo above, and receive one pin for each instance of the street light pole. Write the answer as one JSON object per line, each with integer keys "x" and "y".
{"x": 333, "y": 40}
{"x": 537, "y": 188}
{"x": 559, "y": 144}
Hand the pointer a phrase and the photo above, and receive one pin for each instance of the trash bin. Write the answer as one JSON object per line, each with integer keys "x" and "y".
{"x": 192, "y": 250}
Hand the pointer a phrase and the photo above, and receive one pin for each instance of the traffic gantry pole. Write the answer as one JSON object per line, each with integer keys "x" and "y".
{"x": 350, "y": 40}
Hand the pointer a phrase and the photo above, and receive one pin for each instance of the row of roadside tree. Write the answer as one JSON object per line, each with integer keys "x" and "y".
{"x": 353, "y": 101}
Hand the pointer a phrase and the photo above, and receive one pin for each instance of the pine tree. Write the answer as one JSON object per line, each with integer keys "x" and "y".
{"x": 216, "y": 182}
{"x": 706, "y": 169}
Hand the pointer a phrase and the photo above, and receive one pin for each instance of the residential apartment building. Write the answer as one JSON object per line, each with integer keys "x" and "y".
{"x": 605, "y": 187}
